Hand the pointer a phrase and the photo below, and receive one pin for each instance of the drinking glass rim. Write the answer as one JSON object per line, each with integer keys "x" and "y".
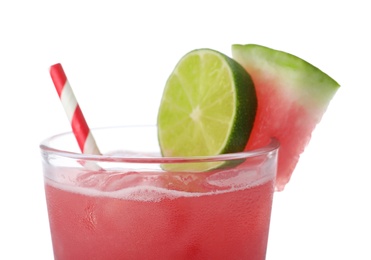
{"x": 45, "y": 146}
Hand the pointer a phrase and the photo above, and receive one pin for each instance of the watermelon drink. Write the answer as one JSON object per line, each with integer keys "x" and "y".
{"x": 124, "y": 205}
{"x": 198, "y": 185}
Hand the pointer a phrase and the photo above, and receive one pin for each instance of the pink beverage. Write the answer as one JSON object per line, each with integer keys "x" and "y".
{"x": 132, "y": 209}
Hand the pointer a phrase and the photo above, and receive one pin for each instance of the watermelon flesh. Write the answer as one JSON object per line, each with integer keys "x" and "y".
{"x": 292, "y": 97}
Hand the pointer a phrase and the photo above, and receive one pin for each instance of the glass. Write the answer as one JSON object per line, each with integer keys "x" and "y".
{"x": 123, "y": 205}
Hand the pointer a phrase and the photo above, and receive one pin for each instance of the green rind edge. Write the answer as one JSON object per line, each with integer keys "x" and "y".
{"x": 320, "y": 86}
{"x": 246, "y": 103}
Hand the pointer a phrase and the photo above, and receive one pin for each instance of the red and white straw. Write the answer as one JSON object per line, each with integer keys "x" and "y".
{"x": 80, "y": 128}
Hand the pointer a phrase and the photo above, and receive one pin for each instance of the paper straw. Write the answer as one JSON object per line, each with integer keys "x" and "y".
{"x": 80, "y": 128}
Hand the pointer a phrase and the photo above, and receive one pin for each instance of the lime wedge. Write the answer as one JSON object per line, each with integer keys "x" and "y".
{"x": 207, "y": 108}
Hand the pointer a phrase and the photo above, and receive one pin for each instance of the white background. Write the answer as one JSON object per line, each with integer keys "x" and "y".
{"x": 117, "y": 56}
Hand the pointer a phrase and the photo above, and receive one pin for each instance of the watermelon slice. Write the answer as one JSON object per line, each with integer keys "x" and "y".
{"x": 292, "y": 97}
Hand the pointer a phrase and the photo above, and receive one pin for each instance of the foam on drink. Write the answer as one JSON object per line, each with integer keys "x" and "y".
{"x": 151, "y": 186}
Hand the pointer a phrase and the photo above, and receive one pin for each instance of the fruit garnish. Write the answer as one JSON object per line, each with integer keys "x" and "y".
{"x": 208, "y": 108}
{"x": 292, "y": 97}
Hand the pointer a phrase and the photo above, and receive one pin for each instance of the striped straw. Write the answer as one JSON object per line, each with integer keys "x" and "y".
{"x": 80, "y": 128}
